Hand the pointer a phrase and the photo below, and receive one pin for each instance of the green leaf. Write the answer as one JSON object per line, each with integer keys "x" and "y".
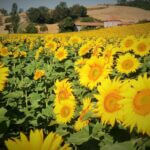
{"x": 120, "y": 146}
{"x": 62, "y": 131}
{"x": 34, "y": 99}
{"x": 88, "y": 115}
{"x": 79, "y": 137}
{"x": 2, "y": 114}
{"x": 97, "y": 131}
{"x": 16, "y": 94}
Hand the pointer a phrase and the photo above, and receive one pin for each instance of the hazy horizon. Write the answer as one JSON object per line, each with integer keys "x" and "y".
{"x": 25, "y": 4}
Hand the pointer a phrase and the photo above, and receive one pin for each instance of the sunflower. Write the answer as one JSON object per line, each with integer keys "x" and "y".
{"x": 87, "y": 107}
{"x": 51, "y": 45}
{"x": 93, "y": 72}
{"x": 127, "y": 63}
{"x": 108, "y": 54}
{"x": 38, "y": 74}
{"x": 65, "y": 111}
{"x": 63, "y": 91}
{"x": 79, "y": 124}
{"x": 137, "y": 105}
{"x": 61, "y": 54}
{"x": 128, "y": 43}
{"x": 36, "y": 142}
{"x": 75, "y": 40}
{"x": 84, "y": 49}
{"x": 3, "y": 76}
{"x": 4, "y": 51}
{"x": 79, "y": 64}
{"x": 142, "y": 47}
{"x": 110, "y": 94}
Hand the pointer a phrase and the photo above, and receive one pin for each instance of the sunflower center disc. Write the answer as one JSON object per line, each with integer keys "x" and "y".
{"x": 65, "y": 111}
{"x": 128, "y": 43}
{"x": 127, "y": 64}
{"x": 141, "y": 47}
{"x": 95, "y": 72}
{"x": 63, "y": 94}
{"x": 111, "y": 102}
{"x": 141, "y": 102}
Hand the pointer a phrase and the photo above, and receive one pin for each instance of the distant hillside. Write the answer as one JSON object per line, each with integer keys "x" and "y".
{"x": 123, "y": 13}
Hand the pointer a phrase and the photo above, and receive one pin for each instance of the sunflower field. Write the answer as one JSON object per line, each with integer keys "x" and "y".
{"x": 76, "y": 91}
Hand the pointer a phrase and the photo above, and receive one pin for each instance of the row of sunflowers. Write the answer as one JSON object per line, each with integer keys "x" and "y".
{"x": 86, "y": 90}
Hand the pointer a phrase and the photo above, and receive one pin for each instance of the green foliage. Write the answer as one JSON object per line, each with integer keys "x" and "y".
{"x": 61, "y": 11}
{"x": 78, "y": 11}
{"x": 67, "y": 25}
{"x": 8, "y": 20}
{"x": 15, "y": 17}
{"x": 43, "y": 28}
{"x": 31, "y": 28}
{"x": 4, "y": 11}
{"x": 144, "y": 4}
{"x": 87, "y": 19}
{"x": 39, "y": 15}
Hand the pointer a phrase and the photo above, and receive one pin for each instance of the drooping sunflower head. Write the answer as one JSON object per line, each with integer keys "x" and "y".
{"x": 38, "y": 74}
{"x": 109, "y": 97}
{"x": 137, "y": 105}
{"x": 65, "y": 111}
{"x": 3, "y": 76}
{"x": 142, "y": 47}
{"x": 61, "y": 54}
{"x": 128, "y": 43}
{"x": 37, "y": 142}
{"x": 63, "y": 91}
{"x": 84, "y": 49}
{"x": 127, "y": 63}
{"x": 79, "y": 124}
{"x": 93, "y": 72}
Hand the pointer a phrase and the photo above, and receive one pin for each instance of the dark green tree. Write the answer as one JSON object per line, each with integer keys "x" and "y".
{"x": 4, "y": 11}
{"x": 78, "y": 11}
{"x": 67, "y": 25}
{"x": 31, "y": 28}
{"x": 15, "y": 17}
{"x": 61, "y": 11}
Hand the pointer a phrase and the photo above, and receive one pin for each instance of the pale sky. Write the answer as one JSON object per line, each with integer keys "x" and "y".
{"x": 25, "y": 4}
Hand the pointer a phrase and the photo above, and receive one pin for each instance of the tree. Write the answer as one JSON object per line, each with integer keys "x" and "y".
{"x": 4, "y": 11}
{"x": 78, "y": 11}
{"x": 61, "y": 11}
{"x": 67, "y": 25}
{"x": 39, "y": 15}
{"x": 31, "y": 28}
{"x": 15, "y": 17}
{"x": 20, "y": 10}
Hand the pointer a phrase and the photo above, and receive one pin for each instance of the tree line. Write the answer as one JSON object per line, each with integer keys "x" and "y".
{"x": 144, "y": 4}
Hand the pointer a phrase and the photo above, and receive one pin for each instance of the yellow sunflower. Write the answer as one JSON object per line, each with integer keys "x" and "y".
{"x": 3, "y": 76}
{"x": 4, "y": 51}
{"x": 128, "y": 43}
{"x": 37, "y": 142}
{"x": 127, "y": 63}
{"x": 65, "y": 111}
{"x": 51, "y": 45}
{"x": 79, "y": 64}
{"x": 110, "y": 94}
{"x": 108, "y": 54}
{"x": 61, "y": 54}
{"x": 87, "y": 107}
{"x": 38, "y": 74}
{"x": 142, "y": 47}
{"x": 84, "y": 49}
{"x": 75, "y": 40}
{"x": 63, "y": 91}
{"x": 137, "y": 105}
{"x": 93, "y": 72}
